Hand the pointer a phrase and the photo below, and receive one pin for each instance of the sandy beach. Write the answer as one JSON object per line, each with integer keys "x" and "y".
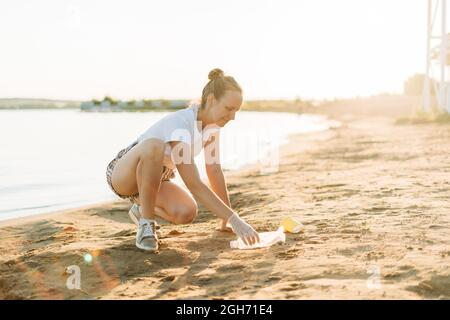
{"x": 373, "y": 196}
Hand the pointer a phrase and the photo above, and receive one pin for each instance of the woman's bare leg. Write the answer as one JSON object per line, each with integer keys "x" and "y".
{"x": 140, "y": 170}
{"x": 174, "y": 204}
{"x": 148, "y": 177}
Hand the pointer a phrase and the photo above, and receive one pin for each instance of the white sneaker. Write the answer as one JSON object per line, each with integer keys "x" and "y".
{"x": 146, "y": 238}
{"x": 135, "y": 215}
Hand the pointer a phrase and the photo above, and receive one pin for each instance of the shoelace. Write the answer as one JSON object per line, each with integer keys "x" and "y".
{"x": 137, "y": 209}
{"x": 148, "y": 230}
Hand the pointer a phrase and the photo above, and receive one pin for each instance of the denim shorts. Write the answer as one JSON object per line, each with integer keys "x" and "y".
{"x": 166, "y": 175}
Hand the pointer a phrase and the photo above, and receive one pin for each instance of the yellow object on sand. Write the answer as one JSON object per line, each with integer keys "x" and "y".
{"x": 292, "y": 225}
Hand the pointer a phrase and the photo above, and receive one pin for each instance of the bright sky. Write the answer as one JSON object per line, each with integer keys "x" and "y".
{"x": 164, "y": 49}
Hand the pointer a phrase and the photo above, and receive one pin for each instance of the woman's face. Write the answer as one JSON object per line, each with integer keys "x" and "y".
{"x": 224, "y": 110}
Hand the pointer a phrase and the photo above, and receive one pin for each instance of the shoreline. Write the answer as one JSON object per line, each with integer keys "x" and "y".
{"x": 30, "y": 212}
{"x": 55, "y": 213}
{"x": 284, "y": 149}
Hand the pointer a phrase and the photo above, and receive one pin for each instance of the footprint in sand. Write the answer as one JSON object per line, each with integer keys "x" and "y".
{"x": 293, "y": 286}
{"x": 436, "y": 286}
{"x": 231, "y": 267}
{"x": 175, "y": 233}
{"x": 168, "y": 279}
{"x": 288, "y": 254}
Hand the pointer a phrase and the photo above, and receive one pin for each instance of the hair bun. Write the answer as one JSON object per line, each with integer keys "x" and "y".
{"x": 215, "y": 73}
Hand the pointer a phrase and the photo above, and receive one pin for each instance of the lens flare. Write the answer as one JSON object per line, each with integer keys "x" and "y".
{"x": 87, "y": 258}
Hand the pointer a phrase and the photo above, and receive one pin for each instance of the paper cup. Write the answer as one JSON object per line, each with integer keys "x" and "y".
{"x": 292, "y": 225}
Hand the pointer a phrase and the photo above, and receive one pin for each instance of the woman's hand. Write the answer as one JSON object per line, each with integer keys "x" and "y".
{"x": 243, "y": 230}
{"x": 225, "y": 227}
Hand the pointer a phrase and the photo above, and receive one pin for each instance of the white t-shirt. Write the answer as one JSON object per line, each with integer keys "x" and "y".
{"x": 181, "y": 125}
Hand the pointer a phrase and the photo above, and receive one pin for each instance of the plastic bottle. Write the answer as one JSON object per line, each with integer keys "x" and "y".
{"x": 266, "y": 240}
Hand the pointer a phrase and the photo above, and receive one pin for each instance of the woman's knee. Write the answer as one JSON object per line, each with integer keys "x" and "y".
{"x": 151, "y": 151}
{"x": 186, "y": 214}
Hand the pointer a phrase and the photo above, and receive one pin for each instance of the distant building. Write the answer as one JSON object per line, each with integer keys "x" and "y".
{"x": 178, "y": 103}
{"x": 157, "y": 103}
{"x": 105, "y": 106}
{"x": 87, "y": 105}
{"x": 122, "y": 104}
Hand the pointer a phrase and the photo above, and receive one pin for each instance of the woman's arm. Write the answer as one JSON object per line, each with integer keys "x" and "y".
{"x": 215, "y": 174}
{"x": 219, "y": 186}
{"x": 202, "y": 193}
